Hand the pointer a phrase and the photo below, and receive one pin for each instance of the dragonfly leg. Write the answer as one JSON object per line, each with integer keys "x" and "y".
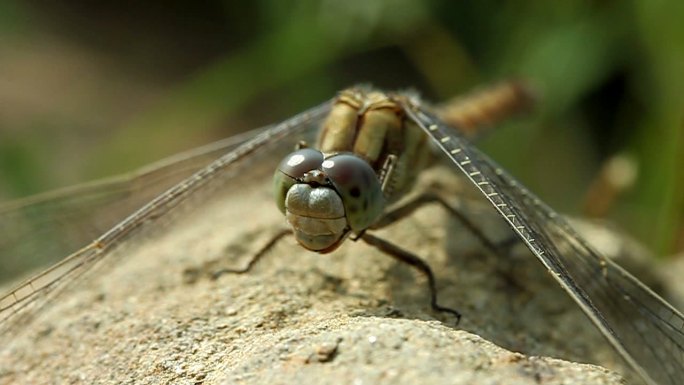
{"x": 406, "y": 209}
{"x": 256, "y": 257}
{"x": 406, "y": 257}
{"x": 503, "y": 247}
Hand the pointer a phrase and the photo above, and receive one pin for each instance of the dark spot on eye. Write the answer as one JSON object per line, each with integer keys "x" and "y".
{"x": 355, "y": 192}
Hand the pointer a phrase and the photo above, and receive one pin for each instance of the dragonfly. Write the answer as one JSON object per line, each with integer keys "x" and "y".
{"x": 369, "y": 147}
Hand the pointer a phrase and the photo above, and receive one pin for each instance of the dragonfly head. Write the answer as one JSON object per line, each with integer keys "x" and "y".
{"x": 324, "y": 198}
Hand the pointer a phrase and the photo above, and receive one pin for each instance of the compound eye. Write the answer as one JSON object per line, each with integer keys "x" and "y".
{"x": 292, "y": 168}
{"x": 358, "y": 185}
{"x": 300, "y": 162}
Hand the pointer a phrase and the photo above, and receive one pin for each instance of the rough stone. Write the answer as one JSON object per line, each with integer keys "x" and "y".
{"x": 154, "y": 315}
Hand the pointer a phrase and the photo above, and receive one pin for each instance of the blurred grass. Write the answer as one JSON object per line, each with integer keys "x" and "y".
{"x": 91, "y": 90}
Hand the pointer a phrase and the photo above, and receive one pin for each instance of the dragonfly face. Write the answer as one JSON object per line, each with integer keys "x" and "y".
{"x": 325, "y": 198}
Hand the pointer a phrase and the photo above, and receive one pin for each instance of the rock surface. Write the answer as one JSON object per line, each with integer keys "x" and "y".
{"x": 354, "y": 316}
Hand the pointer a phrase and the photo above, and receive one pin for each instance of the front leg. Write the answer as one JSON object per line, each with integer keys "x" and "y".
{"x": 407, "y": 208}
{"x": 414, "y": 261}
{"x": 255, "y": 258}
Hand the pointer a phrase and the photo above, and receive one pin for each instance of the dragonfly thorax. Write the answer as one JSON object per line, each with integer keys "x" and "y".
{"x": 324, "y": 198}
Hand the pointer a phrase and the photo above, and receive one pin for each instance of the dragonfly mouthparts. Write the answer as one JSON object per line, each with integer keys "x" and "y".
{"x": 315, "y": 177}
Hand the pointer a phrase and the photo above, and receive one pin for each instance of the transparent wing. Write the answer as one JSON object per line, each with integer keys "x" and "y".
{"x": 41, "y": 229}
{"x": 251, "y": 158}
{"x": 646, "y": 330}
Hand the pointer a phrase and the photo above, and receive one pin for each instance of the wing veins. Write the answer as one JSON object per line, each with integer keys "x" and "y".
{"x": 160, "y": 205}
{"x": 567, "y": 256}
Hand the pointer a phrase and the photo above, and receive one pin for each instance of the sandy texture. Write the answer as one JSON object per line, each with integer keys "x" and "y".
{"x": 351, "y": 317}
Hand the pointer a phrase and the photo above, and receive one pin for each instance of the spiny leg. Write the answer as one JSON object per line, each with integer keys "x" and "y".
{"x": 256, "y": 257}
{"x": 404, "y": 256}
{"x": 406, "y": 209}
{"x": 503, "y": 247}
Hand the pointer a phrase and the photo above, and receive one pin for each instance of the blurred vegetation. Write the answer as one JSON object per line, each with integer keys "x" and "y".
{"x": 89, "y": 89}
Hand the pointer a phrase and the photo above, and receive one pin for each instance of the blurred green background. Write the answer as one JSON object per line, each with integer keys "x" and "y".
{"x": 91, "y": 89}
